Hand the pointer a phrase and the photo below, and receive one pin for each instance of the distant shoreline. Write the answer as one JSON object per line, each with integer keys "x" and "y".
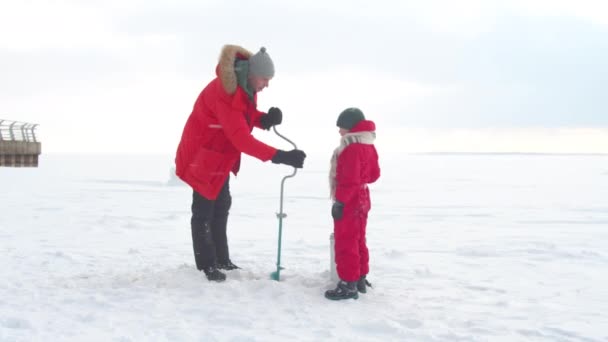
{"x": 312, "y": 155}
{"x": 511, "y": 154}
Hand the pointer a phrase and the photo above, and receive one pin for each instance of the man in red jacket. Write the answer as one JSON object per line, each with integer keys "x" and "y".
{"x": 354, "y": 164}
{"x": 216, "y": 133}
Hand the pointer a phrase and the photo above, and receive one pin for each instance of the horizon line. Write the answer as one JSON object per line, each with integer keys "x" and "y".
{"x": 405, "y": 153}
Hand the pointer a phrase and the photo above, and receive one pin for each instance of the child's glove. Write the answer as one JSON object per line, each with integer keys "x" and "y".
{"x": 293, "y": 158}
{"x": 337, "y": 210}
{"x": 274, "y": 117}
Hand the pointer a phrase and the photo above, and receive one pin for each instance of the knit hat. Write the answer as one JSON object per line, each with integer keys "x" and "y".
{"x": 261, "y": 65}
{"x": 349, "y": 118}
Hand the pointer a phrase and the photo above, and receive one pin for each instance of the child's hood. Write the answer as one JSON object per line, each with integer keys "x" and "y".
{"x": 364, "y": 126}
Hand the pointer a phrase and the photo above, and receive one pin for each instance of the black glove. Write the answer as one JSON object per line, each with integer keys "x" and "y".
{"x": 337, "y": 210}
{"x": 293, "y": 158}
{"x": 274, "y": 117}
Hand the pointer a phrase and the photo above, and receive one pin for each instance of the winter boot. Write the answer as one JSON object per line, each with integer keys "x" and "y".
{"x": 344, "y": 290}
{"x": 213, "y": 274}
{"x": 227, "y": 265}
{"x": 363, "y": 284}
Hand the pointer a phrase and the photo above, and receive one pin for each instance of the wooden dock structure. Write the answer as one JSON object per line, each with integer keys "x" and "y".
{"x": 18, "y": 144}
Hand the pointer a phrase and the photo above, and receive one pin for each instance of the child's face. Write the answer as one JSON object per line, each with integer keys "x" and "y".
{"x": 343, "y": 131}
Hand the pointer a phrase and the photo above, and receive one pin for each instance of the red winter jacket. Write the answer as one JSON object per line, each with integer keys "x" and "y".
{"x": 219, "y": 129}
{"x": 356, "y": 167}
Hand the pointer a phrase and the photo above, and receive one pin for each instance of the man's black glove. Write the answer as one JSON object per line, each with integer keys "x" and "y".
{"x": 274, "y": 117}
{"x": 293, "y": 158}
{"x": 337, "y": 210}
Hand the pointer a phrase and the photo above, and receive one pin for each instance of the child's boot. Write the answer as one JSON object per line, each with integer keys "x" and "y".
{"x": 344, "y": 290}
{"x": 362, "y": 284}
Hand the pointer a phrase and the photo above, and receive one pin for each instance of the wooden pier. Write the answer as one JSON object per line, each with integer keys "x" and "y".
{"x": 18, "y": 144}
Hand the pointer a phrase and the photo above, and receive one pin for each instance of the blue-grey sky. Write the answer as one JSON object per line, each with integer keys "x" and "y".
{"x": 134, "y": 68}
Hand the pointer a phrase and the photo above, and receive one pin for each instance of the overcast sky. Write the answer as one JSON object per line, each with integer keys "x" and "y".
{"x": 122, "y": 75}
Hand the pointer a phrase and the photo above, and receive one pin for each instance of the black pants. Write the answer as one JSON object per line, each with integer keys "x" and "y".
{"x": 209, "y": 221}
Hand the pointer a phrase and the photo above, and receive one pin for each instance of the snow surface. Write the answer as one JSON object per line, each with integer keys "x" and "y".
{"x": 463, "y": 248}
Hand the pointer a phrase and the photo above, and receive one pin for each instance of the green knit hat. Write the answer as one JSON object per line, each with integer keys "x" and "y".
{"x": 349, "y": 118}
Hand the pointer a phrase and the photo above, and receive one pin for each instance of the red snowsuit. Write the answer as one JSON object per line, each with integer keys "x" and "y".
{"x": 219, "y": 129}
{"x": 357, "y": 166}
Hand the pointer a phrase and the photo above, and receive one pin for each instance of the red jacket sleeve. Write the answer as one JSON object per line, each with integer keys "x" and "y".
{"x": 348, "y": 175}
{"x": 237, "y": 131}
{"x": 257, "y": 115}
{"x": 375, "y": 168}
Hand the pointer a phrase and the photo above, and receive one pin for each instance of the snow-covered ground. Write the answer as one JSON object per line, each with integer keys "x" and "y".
{"x": 463, "y": 247}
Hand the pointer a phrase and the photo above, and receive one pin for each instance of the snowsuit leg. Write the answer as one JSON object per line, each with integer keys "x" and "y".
{"x": 363, "y": 251}
{"x": 352, "y": 255}
{"x": 347, "y": 235}
{"x": 209, "y": 234}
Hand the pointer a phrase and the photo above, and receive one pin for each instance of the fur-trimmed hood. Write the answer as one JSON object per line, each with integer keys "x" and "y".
{"x": 225, "y": 67}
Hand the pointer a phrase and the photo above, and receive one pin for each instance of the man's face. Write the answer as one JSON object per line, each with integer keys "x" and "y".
{"x": 258, "y": 83}
{"x": 343, "y": 131}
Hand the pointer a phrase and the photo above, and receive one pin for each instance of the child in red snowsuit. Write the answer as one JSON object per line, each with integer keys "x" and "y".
{"x": 354, "y": 164}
